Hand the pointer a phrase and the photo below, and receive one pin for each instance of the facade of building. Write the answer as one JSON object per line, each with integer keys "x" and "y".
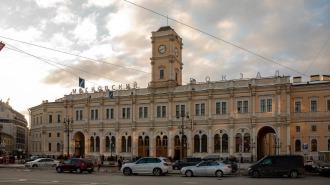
{"x": 243, "y": 118}
{"x": 14, "y": 132}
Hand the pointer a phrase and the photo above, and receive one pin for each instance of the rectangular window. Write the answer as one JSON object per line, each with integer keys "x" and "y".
{"x": 58, "y": 134}
{"x": 58, "y": 118}
{"x": 124, "y": 112}
{"x": 140, "y": 112}
{"x": 203, "y": 109}
{"x": 111, "y": 113}
{"x": 262, "y": 105}
{"x": 329, "y": 129}
{"x": 37, "y": 120}
{"x": 313, "y": 128}
{"x": 50, "y": 118}
{"x": 177, "y": 111}
{"x": 217, "y": 108}
{"x": 128, "y": 112}
{"x": 297, "y": 128}
{"x": 176, "y": 76}
{"x": 197, "y": 109}
{"x": 77, "y": 114}
{"x": 313, "y": 106}
{"x": 159, "y": 109}
{"x": 81, "y": 114}
{"x": 183, "y": 111}
{"x": 161, "y": 74}
{"x": 163, "y": 111}
{"x": 269, "y": 105}
{"x": 245, "y": 107}
{"x": 239, "y": 107}
{"x": 96, "y": 114}
{"x": 107, "y": 113}
{"x": 328, "y": 105}
{"x": 40, "y": 119}
{"x": 224, "y": 108}
{"x": 145, "y": 112}
{"x": 49, "y": 134}
{"x": 92, "y": 114}
{"x": 297, "y": 106}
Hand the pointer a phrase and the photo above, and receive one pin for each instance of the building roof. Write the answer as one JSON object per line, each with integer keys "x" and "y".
{"x": 164, "y": 28}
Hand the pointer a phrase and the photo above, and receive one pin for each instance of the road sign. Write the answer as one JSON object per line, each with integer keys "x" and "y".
{"x": 0, "y": 147}
{"x": 305, "y": 146}
{"x": 3, "y": 144}
{"x": 7, "y": 148}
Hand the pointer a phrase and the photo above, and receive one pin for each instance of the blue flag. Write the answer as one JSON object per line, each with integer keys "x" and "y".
{"x": 110, "y": 94}
{"x": 81, "y": 82}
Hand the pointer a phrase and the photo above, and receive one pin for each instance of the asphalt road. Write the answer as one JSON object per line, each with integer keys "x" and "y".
{"x": 11, "y": 176}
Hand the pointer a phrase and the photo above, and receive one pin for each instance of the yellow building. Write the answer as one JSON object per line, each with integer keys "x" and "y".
{"x": 247, "y": 118}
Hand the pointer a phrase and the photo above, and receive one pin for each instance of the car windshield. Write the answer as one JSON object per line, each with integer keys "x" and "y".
{"x": 261, "y": 159}
{"x": 166, "y": 160}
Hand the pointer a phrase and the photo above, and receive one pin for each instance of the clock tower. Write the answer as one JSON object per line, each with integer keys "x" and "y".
{"x": 166, "y": 60}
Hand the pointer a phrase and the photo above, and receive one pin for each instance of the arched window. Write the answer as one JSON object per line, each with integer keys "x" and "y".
{"x": 129, "y": 144}
{"x": 113, "y": 143}
{"x": 224, "y": 143}
{"x": 165, "y": 141}
{"x": 123, "y": 144}
{"x": 146, "y": 141}
{"x": 158, "y": 141}
{"x": 58, "y": 147}
{"x": 297, "y": 145}
{"x": 314, "y": 145}
{"x": 176, "y": 141}
{"x": 92, "y": 144}
{"x": 238, "y": 139}
{"x": 97, "y": 144}
{"x": 140, "y": 142}
{"x": 196, "y": 143}
{"x": 204, "y": 143}
{"x": 246, "y": 142}
{"x": 107, "y": 144}
{"x": 217, "y": 143}
{"x": 49, "y": 147}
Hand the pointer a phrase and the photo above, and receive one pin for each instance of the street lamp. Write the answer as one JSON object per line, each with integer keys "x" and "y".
{"x": 111, "y": 147}
{"x": 252, "y": 146}
{"x": 182, "y": 127}
{"x": 67, "y": 122}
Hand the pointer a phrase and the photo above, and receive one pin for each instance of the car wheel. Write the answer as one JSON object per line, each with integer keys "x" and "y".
{"x": 176, "y": 168}
{"x": 59, "y": 170}
{"x": 34, "y": 165}
{"x": 127, "y": 171}
{"x": 78, "y": 170}
{"x": 90, "y": 171}
{"x": 219, "y": 173}
{"x": 157, "y": 172}
{"x": 189, "y": 173}
{"x": 255, "y": 174}
{"x": 294, "y": 174}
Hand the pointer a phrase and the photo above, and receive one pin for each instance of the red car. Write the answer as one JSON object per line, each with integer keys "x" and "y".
{"x": 78, "y": 165}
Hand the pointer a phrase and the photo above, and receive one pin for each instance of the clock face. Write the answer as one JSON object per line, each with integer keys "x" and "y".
{"x": 162, "y": 49}
{"x": 176, "y": 52}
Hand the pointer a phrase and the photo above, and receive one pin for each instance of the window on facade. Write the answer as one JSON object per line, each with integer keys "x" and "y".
{"x": 165, "y": 141}
{"x": 161, "y": 111}
{"x": 313, "y": 128}
{"x": 143, "y": 112}
{"x": 197, "y": 109}
{"x": 176, "y": 140}
{"x": 266, "y": 105}
{"x": 40, "y": 119}
{"x": 242, "y": 107}
{"x": 158, "y": 141}
{"x": 269, "y": 105}
{"x": 314, "y": 145}
{"x": 92, "y": 114}
{"x": 109, "y": 113}
{"x": 238, "y": 138}
{"x": 262, "y": 105}
{"x": 328, "y": 127}
{"x": 297, "y": 128}
{"x": 92, "y": 144}
{"x": 246, "y": 143}
{"x": 180, "y": 109}
{"x": 217, "y": 143}
{"x": 126, "y": 112}
{"x": 297, "y": 145}
{"x": 49, "y": 134}
{"x": 196, "y": 144}
{"x": 203, "y": 109}
{"x": 297, "y": 106}
{"x": 81, "y": 114}
{"x": 37, "y": 120}
{"x": 58, "y": 134}
{"x": 129, "y": 144}
{"x": 204, "y": 143}
{"x": 97, "y": 143}
{"x": 123, "y": 144}
{"x": 58, "y": 118}
{"x": 161, "y": 74}
{"x": 58, "y": 147}
{"x": 176, "y": 76}
{"x": 224, "y": 142}
{"x": 50, "y": 118}
{"x": 328, "y": 105}
{"x": 313, "y": 106}
{"x": 328, "y": 144}
{"x": 49, "y": 147}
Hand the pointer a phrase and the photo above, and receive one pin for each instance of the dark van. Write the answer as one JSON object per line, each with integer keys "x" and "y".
{"x": 188, "y": 161}
{"x": 278, "y": 165}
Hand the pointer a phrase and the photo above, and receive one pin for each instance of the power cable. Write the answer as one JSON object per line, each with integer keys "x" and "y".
{"x": 216, "y": 38}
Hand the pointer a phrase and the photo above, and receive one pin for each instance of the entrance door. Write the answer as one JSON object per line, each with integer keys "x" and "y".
{"x": 265, "y": 142}
{"x": 79, "y": 144}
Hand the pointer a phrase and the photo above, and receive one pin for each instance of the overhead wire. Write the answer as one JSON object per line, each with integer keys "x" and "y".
{"x": 216, "y": 38}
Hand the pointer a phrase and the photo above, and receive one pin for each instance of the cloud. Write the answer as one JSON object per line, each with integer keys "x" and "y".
{"x": 50, "y": 3}
{"x": 99, "y": 3}
{"x": 86, "y": 30}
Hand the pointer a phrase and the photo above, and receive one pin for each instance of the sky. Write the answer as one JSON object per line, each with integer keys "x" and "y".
{"x": 112, "y": 38}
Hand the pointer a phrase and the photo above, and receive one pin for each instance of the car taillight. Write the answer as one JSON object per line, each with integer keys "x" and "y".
{"x": 82, "y": 164}
{"x": 229, "y": 166}
{"x": 165, "y": 164}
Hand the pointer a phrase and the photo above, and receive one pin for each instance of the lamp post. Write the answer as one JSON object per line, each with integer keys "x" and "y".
{"x": 67, "y": 124}
{"x": 252, "y": 146}
{"x": 182, "y": 127}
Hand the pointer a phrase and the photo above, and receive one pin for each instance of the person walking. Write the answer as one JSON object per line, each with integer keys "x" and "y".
{"x": 98, "y": 164}
{"x": 119, "y": 163}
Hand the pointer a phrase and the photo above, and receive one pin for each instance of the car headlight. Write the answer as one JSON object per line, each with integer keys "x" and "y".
{"x": 248, "y": 169}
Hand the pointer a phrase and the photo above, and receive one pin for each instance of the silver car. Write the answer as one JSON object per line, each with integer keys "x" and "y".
{"x": 207, "y": 168}
{"x": 42, "y": 162}
{"x": 148, "y": 165}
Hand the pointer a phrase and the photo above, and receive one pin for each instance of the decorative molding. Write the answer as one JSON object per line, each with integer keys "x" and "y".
{"x": 231, "y": 126}
{"x": 210, "y": 97}
{"x": 253, "y": 93}
{"x": 287, "y": 91}
{"x": 278, "y": 91}
{"x": 231, "y": 95}
{"x": 44, "y": 109}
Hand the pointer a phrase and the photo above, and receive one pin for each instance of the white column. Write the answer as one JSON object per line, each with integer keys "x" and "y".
{"x": 65, "y": 142}
{"x": 254, "y": 141}
{"x": 134, "y": 142}
{"x": 151, "y": 144}
{"x": 287, "y": 137}
{"x": 117, "y": 142}
{"x": 231, "y": 137}
{"x": 101, "y": 144}
{"x": 86, "y": 144}
{"x": 209, "y": 142}
{"x": 200, "y": 146}
{"x": 253, "y": 104}
{"x": 169, "y": 144}
{"x": 210, "y": 108}
{"x": 231, "y": 105}
{"x": 170, "y": 109}
{"x": 44, "y": 143}
{"x": 278, "y": 102}
{"x": 189, "y": 142}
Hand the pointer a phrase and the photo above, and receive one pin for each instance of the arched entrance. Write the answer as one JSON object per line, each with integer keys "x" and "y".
{"x": 79, "y": 139}
{"x": 265, "y": 142}
{"x": 143, "y": 144}
{"x": 161, "y": 146}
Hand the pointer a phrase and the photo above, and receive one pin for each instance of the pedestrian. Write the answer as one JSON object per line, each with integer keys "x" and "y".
{"x": 65, "y": 157}
{"x": 98, "y": 164}
{"x": 68, "y": 156}
{"x": 119, "y": 163}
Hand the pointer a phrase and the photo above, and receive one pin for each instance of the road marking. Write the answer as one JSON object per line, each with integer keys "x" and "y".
{"x": 22, "y": 179}
{"x": 190, "y": 182}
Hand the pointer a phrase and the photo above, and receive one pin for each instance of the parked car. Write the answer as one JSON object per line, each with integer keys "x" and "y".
{"x": 311, "y": 166}
{"x": 188, "y": 161}
{"x": 127, "y": 161}
{"x": 42, "y": 162}
{"x": 279, "y": 165}
{"x": 77, "y": 164}
{"x": 207, "y": 168}
{"x": 324, "y": 168}
{"x": 33, "y": 157}
{"x": 148, "y": 165}
{"x": 232, "y": 164}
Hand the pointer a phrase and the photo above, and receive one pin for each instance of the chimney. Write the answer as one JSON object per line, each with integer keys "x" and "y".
{"x": 315, "y": 78}
{"x": 325, "y": 77}
{"x": 297, "y": 79}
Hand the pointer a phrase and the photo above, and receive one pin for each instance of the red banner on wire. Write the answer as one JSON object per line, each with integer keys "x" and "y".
{"x": 2, "y": 45}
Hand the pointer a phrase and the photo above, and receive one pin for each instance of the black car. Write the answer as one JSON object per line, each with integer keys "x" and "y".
{"x": 188, "y": 161}
{"x": 232, "y": 164}
{"x": 324, "y": 169}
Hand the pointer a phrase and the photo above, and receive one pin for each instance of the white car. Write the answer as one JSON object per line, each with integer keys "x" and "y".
{"x": 148, "y": 165}
{"x": 42, "y": 162}
{"x": 207, "y": 168}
